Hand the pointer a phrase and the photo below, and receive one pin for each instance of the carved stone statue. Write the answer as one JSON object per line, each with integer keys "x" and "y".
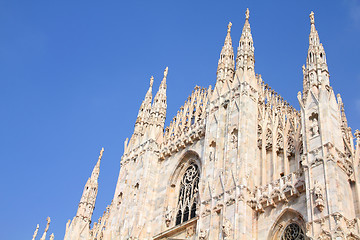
{"x": 211, "y": 155}
{"x": 233, "y": 141}
{"x": 226, "y": 229}
{"x": 318, "y": 195}
{"x": 168, "y": 216}
{"x": 314, "y": 127}
{"x": 247, "y": 14}
{"x": 203, "y": 234}
{"x": 312, "y": 19}
{"x": 229, "y": 26}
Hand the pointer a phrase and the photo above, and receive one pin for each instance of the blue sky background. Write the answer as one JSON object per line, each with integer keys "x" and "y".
{"x": 73, "y": 75}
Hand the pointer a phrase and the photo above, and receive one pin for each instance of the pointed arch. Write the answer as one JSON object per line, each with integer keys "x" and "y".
{"x": 182, "y": 191}
{"x": 287, "y": 219}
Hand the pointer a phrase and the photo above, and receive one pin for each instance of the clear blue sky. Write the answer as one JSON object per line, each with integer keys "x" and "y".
{"x": 73, "y": 75}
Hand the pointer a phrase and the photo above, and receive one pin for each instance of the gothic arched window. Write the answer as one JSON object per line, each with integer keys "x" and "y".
{"x": 188, "y": 195}
{"x": 293, "y": 232}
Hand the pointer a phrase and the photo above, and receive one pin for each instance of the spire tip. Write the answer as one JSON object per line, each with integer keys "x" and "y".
{"x": 101, "y": 153}
{"x": 166, "y": 72}
{"x": 247, "y": 14}
{"x": 151, "y": 81}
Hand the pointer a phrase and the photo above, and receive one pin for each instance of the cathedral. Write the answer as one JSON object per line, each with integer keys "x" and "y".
{"x": 236, "y": 162}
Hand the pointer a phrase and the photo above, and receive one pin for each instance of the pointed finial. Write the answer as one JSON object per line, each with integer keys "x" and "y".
{"x": 43, "y": 237}
{"x": 52, "y": 236}
{"x": 312, "y": 18}
{"x": 48, "y": 220}
{"x": 357, "y": 135}
{"x": 166, "y": 72}
{"x": 101, "y": 153}
{"x": 151, "y": 81}
{"x": 229, "y": 27}
{"x": 36, "y": 232}
{"x": 247, "y": 14}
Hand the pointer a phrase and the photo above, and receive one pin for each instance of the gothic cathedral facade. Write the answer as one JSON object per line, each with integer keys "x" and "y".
{"x": 236, "y": 162}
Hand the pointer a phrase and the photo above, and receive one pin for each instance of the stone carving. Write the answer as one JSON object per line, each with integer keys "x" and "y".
{"x": 229, "y": 26}
{"x": 314, "y": 125}
{"x": 230, "y": 200}
{"x": 290, "y": 147}
{"x": 36, "y": 232}
{"x": 247, "y": 14}
{"x": 259, "y": 133}
{"x": 190, "y": 231}
{"x": 168, "y": 216}
{"x": 312, "y": 19}
{"x": 279, "y": 143}
{"x": 211, "y": 155}
{"x": 234, "y": 139}
{"x": 212, "y": 147}
{"x": 357, "y": 134}
{"x": 203, "y": 234}
{"x": 269, "y": 139}
{"x": 52, "y": 236}
{"x": 227, "y": 229}
{"x": 319, "y": 196}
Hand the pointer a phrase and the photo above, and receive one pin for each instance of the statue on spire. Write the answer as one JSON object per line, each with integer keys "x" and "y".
{"x": 229, "y": 27}
{"x": 312, "y": 18}
{"x": 247, "y": 14}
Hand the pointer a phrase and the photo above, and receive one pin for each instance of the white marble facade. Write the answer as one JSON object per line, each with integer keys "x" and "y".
{"x": 236, "y": 162}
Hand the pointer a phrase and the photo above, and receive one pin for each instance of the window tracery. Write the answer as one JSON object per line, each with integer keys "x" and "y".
{"x": 293, "y": 232}
{"x": 188, "y": 195}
